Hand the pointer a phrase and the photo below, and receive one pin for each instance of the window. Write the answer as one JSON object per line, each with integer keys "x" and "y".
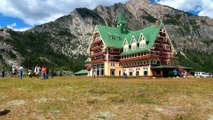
{"x": 142, "y": 44}
{"x": 131, "y": 72}
{"x": 112, "y": 64}
{"x": 134, "y": 46}
{"x": 126, "y": 49}
{"x": 137, "y": 73}
{"x": 111, "y": 49}
{"x": 145, "y": 71}
{"x": 112, "y": 72}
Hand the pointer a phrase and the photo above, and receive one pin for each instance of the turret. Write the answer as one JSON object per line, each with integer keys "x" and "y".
{"x": 121, "y": 20}
{"x": 122, "y": 23}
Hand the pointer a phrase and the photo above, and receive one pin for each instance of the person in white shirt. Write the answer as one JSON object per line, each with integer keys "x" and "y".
{"x": 20, "y": 72}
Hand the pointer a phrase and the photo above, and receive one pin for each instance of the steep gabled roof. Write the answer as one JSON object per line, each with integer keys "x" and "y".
{"x": 150, "y": 34}
{"x": 114, "y": 36}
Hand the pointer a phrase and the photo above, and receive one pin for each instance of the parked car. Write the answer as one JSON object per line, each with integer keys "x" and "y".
{"x": 209, "y": 74}
{"x": 202, "y": 74}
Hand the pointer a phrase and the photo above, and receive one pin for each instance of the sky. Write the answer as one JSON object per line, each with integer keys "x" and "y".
{"x": 21, "y": 15}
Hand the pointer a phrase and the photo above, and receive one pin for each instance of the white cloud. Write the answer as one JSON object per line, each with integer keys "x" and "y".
{"x": 11, "y": 26}
{"x": 22, "y": 29}
{"x": 203, "y": 7}
{"x": 41, "y": 11}
{"x": 14, "y": 27}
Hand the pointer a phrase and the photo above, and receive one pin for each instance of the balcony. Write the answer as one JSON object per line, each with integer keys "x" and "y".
{"x": 167, "y": 57}
{"x": 96, "y": 41}
{"x": 114, "y": 59}
{"x": 96, "y": 48}
{"x": 97, "y": 54}
{"x": 114, "y": 52}
{"x": 139, "y": 58}
{"x": 97, "y": 61}
{"x": 165, "y": 50}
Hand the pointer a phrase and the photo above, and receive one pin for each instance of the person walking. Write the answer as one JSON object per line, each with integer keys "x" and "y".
{"x": 20, "y": 72}
{"x": 14, "y": 71}
{"x": 36, "y": 71}
{"x": 30, "y": 73}
{"x": 94, "y": 74}
{"x": 44, "y": 72}
{"x": 125, "y": 76}
{"x": 175, "y": 73}
{"x": 3, "y": 72}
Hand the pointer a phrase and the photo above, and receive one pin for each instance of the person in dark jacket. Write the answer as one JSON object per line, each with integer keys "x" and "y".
{"x": 3, "y": 72}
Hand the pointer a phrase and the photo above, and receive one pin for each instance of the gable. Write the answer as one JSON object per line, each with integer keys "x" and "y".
{"x": 150, "y": 34}
{"x": 132, "y": 40}
{"x": 125, "y": 42}
{"x": 113, "y": 37}
{"x": 168, "y": 38}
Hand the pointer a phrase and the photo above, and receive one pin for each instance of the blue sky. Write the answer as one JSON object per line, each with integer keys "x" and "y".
{"x": 21, "y": 15}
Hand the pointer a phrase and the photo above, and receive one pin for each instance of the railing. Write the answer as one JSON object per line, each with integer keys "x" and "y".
{"x": 97, "y": 54}
{"x": 115, "y": 59}
{"x": 139, "y": 58}
{"x": 114, "y": 52}
{"x": 182, "y": 72}
{"x": 167, "y": 57}
{"x": 96, "y": 48}
{"x": 97, "y": 40}
{"x": 97, "y": 61}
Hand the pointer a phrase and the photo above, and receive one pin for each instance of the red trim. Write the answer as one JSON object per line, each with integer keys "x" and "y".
{"x": 139, "y": 58}
{"x": 96, "y": 48}
{"x": 97, "y": 61}
{"x": 97, "y": 54}
{"x": 166, "y": 57}
{"x": 97, "y": 40}
{"x": 114, "y": 52}
{"x": 164, "y": 50}
{"x": 114, "y": 60}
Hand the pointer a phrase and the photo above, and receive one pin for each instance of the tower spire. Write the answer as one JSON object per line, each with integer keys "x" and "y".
{"x": 121, "y": 21}
{"x": 121, "y": 18}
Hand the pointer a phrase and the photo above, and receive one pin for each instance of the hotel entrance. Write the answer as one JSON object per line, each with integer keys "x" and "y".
{"x": 98, "y": 70}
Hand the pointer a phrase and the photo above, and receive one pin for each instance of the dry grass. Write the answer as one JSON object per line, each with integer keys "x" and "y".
{"x": 107, "y": 98}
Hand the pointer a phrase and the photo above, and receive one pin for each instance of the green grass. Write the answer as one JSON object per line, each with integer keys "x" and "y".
{"x": 107, "y": 98}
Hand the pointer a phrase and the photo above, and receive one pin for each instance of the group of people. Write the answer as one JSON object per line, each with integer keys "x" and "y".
{"x": 38, "y": 72}
{"x": 41, "y": 71}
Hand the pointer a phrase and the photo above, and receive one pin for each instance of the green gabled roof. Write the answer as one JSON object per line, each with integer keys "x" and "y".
{"x": 150, "y": 34}
{"x": 112, "y": 37}
{"x": 87, "y": 60}
{"x": 81, "y": 72}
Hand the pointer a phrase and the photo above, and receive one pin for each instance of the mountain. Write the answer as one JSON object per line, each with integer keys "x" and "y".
{"x": 63, "y": 43}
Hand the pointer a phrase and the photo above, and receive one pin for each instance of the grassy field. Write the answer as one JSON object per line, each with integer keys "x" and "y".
{"x": 107, "y": 98}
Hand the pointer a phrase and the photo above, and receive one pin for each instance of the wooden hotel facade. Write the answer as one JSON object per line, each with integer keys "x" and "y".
{"x": 116, "y": 51}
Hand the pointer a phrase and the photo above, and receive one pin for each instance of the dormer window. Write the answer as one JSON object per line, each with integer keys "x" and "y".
{"x": 125, "y": 46}
{"x": 133, "y": 44}
{"x": 142, "y": 41}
